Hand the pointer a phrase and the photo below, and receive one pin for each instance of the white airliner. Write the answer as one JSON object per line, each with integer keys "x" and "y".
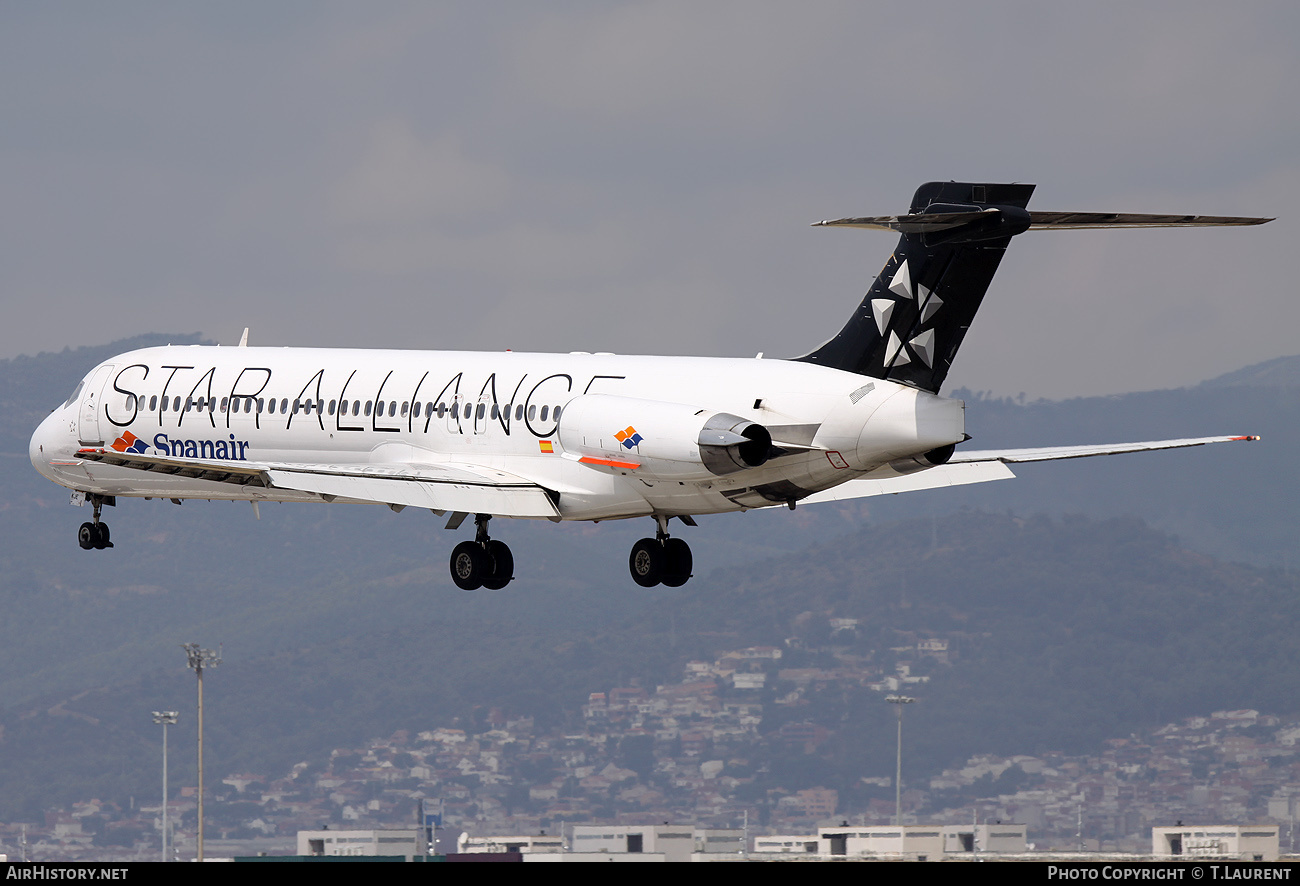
{"x": 578, "y": 436}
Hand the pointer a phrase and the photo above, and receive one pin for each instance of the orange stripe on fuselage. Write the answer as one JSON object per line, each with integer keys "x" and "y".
{"x": 609, "y": 463}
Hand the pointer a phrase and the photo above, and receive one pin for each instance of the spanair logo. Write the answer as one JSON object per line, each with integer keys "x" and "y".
{"x": 629, "y": 438}
{"x": 129, "y": 442}
{"x": 221, "y": 450}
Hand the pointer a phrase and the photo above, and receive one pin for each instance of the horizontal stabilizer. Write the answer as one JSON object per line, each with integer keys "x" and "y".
{"x": 922, "y": 223}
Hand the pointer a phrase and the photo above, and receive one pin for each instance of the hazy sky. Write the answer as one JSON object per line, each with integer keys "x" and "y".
{"x": 639, "y": 177}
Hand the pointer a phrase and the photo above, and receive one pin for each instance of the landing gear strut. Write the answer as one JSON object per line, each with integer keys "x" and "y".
{"x": 94, "y": 534}
{"x": 660, "y": 560}
{"x": 483, "y": 562}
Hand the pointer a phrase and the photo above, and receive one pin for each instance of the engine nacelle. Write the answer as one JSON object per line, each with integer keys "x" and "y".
{"x": 931, "y": 459}
{"x": 667, "y": 441}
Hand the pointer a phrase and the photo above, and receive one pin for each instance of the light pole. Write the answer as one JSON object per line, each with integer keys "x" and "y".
{"x": 165, "y": 719}
{"x": 198, "y": 659}
{"x": 898, "y": 701}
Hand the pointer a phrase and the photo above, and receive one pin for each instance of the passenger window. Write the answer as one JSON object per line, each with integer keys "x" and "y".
{"x": 442, "y": 410}
{"x": 519, "y": 412}
{"x": 259, "y": 405}
{"x": 415, "y": 408}
{"x": 496, "y": 413}
{"x": 224, "y": 402}
{"x": 392, "y": 408}
{"x": 332, "y": 405}
{"x": 482, "y": 408}
{"x": 545, "y": 409}
{"x": 284, "y": 405}
{"x": 369, "y": 405}
{"x": 153, "y": 402}
{"x": 555, "y": 416}
{"x": 406, "y": 407}
{"x": 532, "y": 412}
{"x": 356, "y": 407}
{"x": 455, "y": 411}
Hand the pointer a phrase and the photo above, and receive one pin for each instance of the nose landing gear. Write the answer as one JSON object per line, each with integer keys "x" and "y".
{"x": 94, "y": 534}
{"x": 483, "y": 562}
{"x": 660, "y": 560}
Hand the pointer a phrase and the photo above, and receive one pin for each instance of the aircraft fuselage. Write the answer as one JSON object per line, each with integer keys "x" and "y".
{"x": 552, "y": 419}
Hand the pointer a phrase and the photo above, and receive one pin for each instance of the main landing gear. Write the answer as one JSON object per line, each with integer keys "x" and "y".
{"x": 94, "y": 534}
{"x": 660, "y": 560}
{"x": 483, "y": 562}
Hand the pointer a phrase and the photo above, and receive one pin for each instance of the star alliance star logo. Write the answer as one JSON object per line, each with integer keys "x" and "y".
{"x": 927, "y": 303}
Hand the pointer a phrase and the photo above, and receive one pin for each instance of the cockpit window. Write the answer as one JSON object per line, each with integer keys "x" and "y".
{"x": 73, "y": 399}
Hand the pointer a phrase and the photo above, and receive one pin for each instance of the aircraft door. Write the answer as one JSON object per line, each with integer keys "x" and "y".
{"x": 88, "y": 432}
{"x": 454, "y": 417}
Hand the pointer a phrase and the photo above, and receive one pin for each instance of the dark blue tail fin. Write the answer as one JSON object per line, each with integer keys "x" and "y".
{"x": 913, "y": 319}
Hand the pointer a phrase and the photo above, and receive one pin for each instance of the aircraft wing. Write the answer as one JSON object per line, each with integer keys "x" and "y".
{"x": 1054, "y": 453}
{"x": 439, "y": 487}
{"x": 933, "y": 478}
{"x": 982, "y": 466}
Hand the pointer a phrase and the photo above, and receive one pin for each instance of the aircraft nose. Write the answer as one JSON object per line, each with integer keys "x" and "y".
{"x": 44, "y": 444}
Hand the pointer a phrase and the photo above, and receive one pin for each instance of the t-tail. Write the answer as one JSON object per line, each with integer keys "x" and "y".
{"x": 913, "y": 319}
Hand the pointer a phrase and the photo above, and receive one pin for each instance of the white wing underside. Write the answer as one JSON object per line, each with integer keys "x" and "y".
{"x": 933, "y": 478}
{"x": 441, "y": 487}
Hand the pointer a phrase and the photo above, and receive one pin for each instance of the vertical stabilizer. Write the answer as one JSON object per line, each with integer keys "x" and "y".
{"x": 914, "y": 317}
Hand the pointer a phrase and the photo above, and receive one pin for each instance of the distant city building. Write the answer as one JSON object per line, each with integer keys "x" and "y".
{"x": 526, "y": 845}
{"x": 922, "y": 842}
{"x": 1241, "y": 842}
{"x": 994, "y": 838}
{"x": 673, "y": 842}
{"x": 786, "y": 844}
{"x": 407, "y": 843}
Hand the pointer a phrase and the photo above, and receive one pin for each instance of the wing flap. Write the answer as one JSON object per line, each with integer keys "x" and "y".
{"x": 220, "y": 470}
{"x": 519, "y": 499}
{"x": 1055, "y": 453}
